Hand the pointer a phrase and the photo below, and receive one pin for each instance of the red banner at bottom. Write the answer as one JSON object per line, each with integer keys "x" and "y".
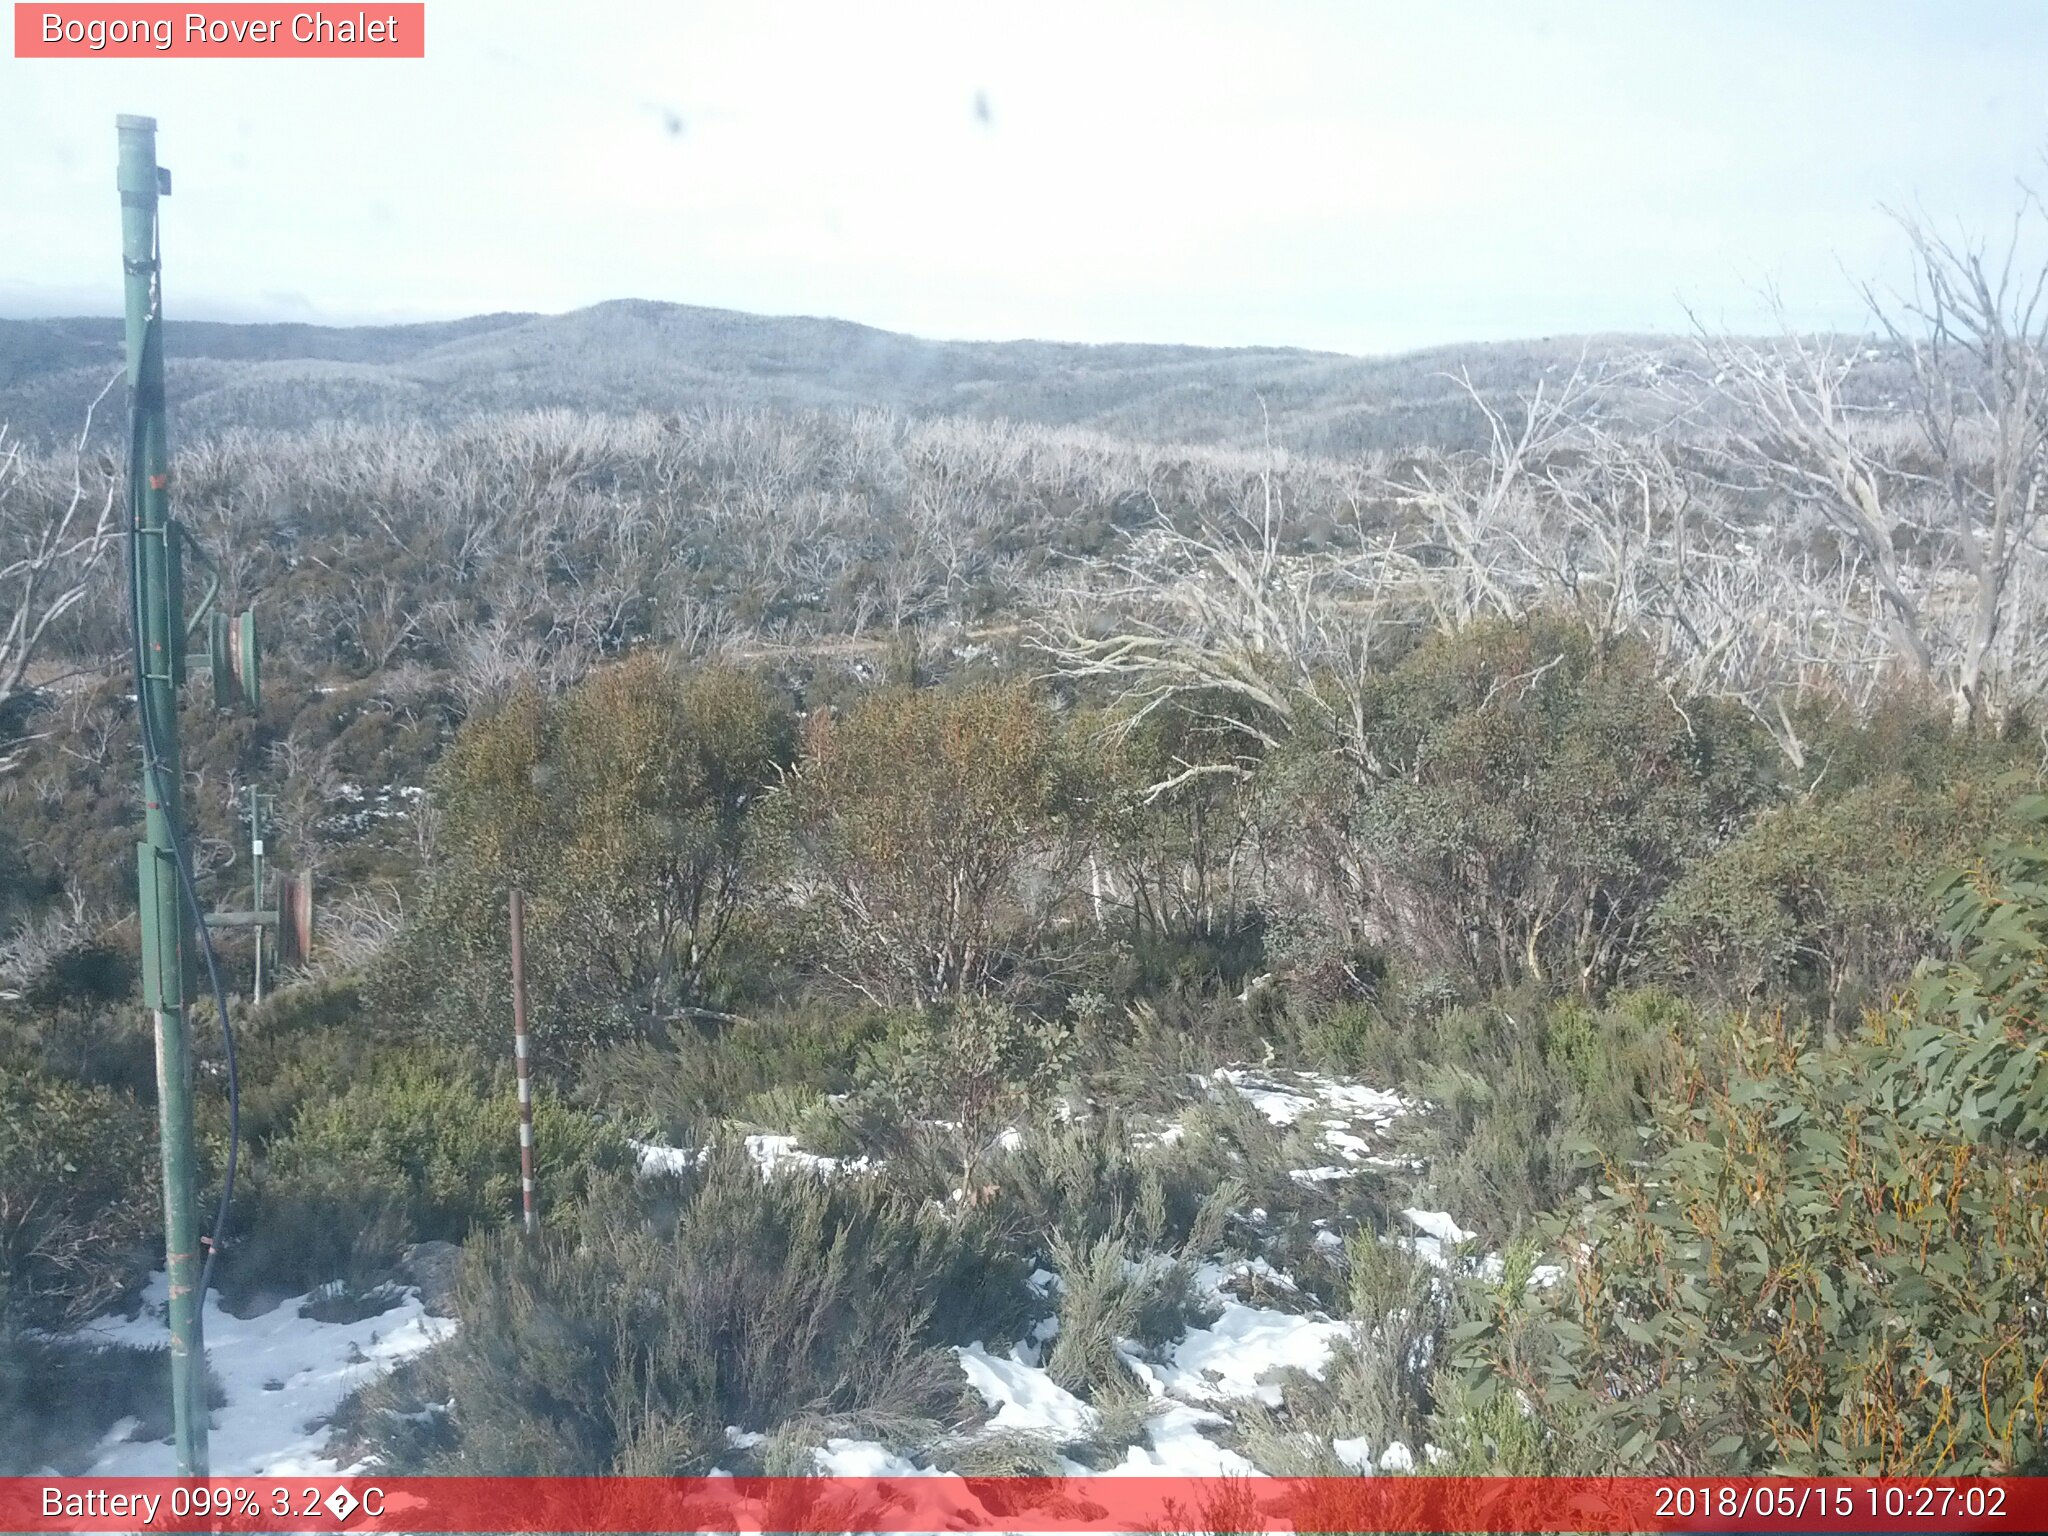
{"x": 1052, "y": 1504}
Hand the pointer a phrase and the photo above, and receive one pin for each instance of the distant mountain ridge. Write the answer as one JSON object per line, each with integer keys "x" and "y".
{"x": 634, "y": 354}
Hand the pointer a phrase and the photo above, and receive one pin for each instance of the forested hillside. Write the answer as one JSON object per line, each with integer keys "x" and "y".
{"x": 1073, "y": 921}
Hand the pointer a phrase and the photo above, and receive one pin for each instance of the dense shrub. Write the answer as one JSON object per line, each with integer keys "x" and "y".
{"x": 308, "y": 1044}
{"x": 680, "y": 1090}
{"x": 1524, "y": 1088}
{"x": 58, "y": 1399}
{"x": 1079, "y": 1182}
{"x": 626, "y": 811}
{"x": 971, "y": 1068}
{"x": 1525, "y": 796}
{"x": 79, "y": 1200}
{"x": 1827, "y": 902}
{"x": 414, "y": 1153}
{"x": 936, "y": 829}
{"x": 628, "y": 1338}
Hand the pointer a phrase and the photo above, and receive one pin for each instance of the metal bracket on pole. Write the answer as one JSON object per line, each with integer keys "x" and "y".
{"x": 235, "y": 660}
{"x": 290, "y": 921}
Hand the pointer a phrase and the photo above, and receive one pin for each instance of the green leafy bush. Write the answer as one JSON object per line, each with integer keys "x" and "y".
{"x": 1975, "y": 1063}
{"x": 971, "y": 1067}
{"x": 920, "y": 815}
{"x": 1835, "y": 1258}
{"x": 314, "y": 1042}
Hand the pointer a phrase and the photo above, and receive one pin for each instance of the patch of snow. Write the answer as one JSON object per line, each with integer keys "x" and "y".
{"x": 1381, "y": 1105}
{"x": 261, "y": 1431}
{"x": 1397, "y": 1458}
{"x": 657, "y": 1159}
{"x": 1355, "y": 1453}
{"x": 865, "y": 1458}
{"x": 1275, "y": 1103}
{"x": 1427, "y": 1249}
{"x": 1212, "y": 1276}
{"x": 1176, "y": 1445}
{"x": 1234, "y": 1356}
{"x": 120, "y": 1430}
{"x": 1286, "y": 1098}
{"x": 777, "y": 1152}
{"x": 1317, "y": 1175}
{"x": 1024, "y": 1396}
{"x": 1439, "y": 1225}
{"x": 1353, "y": 1148}
{"x": 770, "y": 1151}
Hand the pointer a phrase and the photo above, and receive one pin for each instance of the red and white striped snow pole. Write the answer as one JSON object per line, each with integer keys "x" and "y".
{"x": 521, "y": 1057}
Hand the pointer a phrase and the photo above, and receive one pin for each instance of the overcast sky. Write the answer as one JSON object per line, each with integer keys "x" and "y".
{"x": 1357, "y": 176}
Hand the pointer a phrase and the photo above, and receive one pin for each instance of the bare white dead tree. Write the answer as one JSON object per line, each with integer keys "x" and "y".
{"x": 1233, "y": 622}
{"x": 1944, "y": 519}
{"x": 1975, "y": 332}
{"x": 1477, "y": 520}
{"x": 28, "y": 954}
{"x": 49, "y": 558}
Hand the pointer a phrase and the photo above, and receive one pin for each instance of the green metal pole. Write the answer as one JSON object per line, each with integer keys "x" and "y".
{"x": 160, "y": 631}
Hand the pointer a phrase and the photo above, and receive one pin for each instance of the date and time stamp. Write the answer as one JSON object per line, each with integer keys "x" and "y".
{"x": 1938, "y": 1504}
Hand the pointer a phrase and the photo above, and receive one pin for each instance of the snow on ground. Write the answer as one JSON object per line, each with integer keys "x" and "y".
{"x": 1347, "y": 1114}
{"x": 1277, "y": 1104}
{"x": 1024, "y": 1396}
{"x": 866, "y": 1458}
{"x": 1357, "y": 1455}
{"x": 1318, "y": 1175}
{"x": 656, "y": 1158}
{"x": 1338, "y": 1138}
{"x": 283, "y": 1374}
{"x": 778, "y": 1152}
{"x": 1238, "y": 1355}
{"x": 1177, "y": 1446}
{"x": 1283, "y": 1097}
{"x": 1439, "y": 1225}
{"x": 772, "y": 1152}
{"x": 1233, "y": 1358}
